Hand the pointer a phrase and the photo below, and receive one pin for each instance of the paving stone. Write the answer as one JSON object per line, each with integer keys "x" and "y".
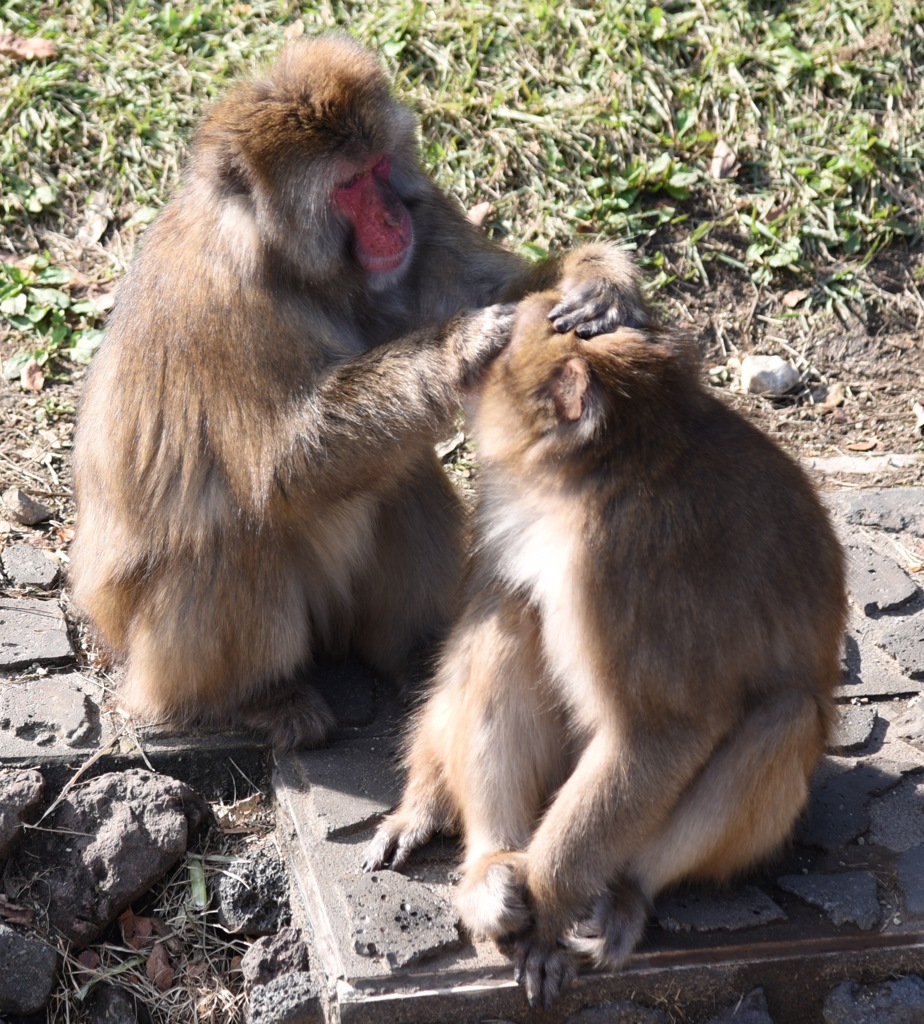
{"x": 31, "y": 632}
{"x": 28, "y": 972}
{"x": 911, "y": 880}
{"x": 20, "y": 798}
{"x": 837, "y": 812}
{"x": 904, "y": 639}
{"x": 870, "y": 672}
{"x": 897, "y": 818}
{"x": 253, "y": 895}
{"x": 352, "y": 784}
{"x": 909, "y": 727}
{"x": 848, "y": 897}
{"x": 892, "y": 1002}
{"x": 395, "y": 917}
{"x": 894, "y": 509}
{"x": 752, "y": 1009}
{"x": 29, "y": 566}
{"x": 743, "y": 907}
{"x": 854, "y": 727}
{"x": 48, "y": 715}
{"x": 619, "y": 1011}
{"x": 290, "y": 999}
{"x": 875, "y": 581}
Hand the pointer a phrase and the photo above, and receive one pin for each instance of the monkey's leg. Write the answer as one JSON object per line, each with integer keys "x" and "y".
{"x": 407, "y": 589}
{"x": 515, "y": 754}
{"x": 218, "y": 640}
{"x": 739, "y": 809}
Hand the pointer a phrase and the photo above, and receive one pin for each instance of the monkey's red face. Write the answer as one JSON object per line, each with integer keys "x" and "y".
{"x": 383, "y": 235}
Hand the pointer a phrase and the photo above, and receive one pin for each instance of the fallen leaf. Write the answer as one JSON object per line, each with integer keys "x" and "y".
{"x": 159, "y": 969}
{"x": 861, "y": 446}
{"x": 230, "y": 816}
{"x": 793, "y": 298}
{"x": 198, "y": 970}
{"x": 21, "y": 48}
{"x": 235, "y": 964}
{"x": 13, "y": 913}
{"x": 724, "y": 161}
{"x": 89, "y": 962}
{"x": 31, "y": 377}
{"x": 135, "y": 930}
{"x": 296, "y": 29}
{"x": 480, "y": 213}
{"x": 97, "y": 219}
{"x": 65, "y": 534}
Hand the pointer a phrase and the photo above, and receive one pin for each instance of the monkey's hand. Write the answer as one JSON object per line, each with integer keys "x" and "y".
{"x": 544, "y": 970}
{"x": 612, "y": 929}
{"x": 394, "y": 842}
{"x": 478, "y": 337}
{"x": 599, "y": 292}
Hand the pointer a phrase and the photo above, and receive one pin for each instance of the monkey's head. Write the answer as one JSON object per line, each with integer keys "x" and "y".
{"x": 322, "y": 158}
{"x": 556, "y": 396}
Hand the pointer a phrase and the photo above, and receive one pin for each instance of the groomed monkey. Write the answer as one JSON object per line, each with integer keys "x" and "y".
{"x": 254, "y": 467}
{"x": 641, "y": 680}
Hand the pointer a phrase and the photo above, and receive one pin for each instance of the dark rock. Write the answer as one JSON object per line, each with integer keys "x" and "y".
{"x": 41, "y": 716}
{"x": 904, "y": 639}
{"x": 892, "y": 1002}
{"x": 897, "y": 818}
{"x": 253, "y": 895}
{"x": 29, "y": 968}
{"x": 620, "y": 1011}
{"x": 744, "y": 907}
{"x": 107, "y": 842}
{"x": 876, "y": 582}
{"x": 275, "y": 955}
{"x": 32, "y": 632}
{"x": 911, "y": 879}
{"x": 846, "y": 898}
{"x": 289, "y": 999}
{"x": 854, "y": 728}
{"x": 752, "y": 1009}
{"x": 400, "y": 919}
{"x": 29, "y": 566}
{"x": 108, "y": 1004}
{"x": 20, "y": 798}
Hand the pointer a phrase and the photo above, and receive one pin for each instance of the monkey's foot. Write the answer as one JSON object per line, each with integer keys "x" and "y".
{"x": 613, "y": 927}
{"x": 394, "y": 842}
{"x": 492, "y": 896}
{"x": 544, "y": 971}
{"x": 297, "y": 718}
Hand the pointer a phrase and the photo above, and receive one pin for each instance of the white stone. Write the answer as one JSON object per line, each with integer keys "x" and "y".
{"x": 768, "y": 375}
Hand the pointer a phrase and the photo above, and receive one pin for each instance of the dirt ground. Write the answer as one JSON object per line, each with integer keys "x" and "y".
{"x": 861, "y": 366}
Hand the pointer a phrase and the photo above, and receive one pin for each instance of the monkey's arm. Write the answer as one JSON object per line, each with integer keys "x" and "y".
{"x": 365, "y": 413}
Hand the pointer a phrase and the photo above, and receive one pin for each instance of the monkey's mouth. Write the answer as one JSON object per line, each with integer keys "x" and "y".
{"x": 382, "y": 264}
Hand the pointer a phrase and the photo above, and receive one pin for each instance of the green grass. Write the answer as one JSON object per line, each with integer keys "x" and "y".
{"x": 600, "y": 118}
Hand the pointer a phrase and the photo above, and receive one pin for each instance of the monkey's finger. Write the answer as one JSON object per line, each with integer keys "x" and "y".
{"x": 601, "y": 325}
{"x": 379, "y": 852}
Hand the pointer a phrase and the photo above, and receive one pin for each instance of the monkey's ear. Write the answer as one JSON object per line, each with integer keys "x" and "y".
{"x": 569, "y": 389}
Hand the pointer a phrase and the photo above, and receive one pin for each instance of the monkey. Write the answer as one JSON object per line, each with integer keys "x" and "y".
{"x": 253, "y": 466}
{"x": 640, "y": 681}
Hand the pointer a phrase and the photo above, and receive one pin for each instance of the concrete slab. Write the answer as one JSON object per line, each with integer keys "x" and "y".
{"x": 32, "y": 632}
{"x": 848, "y": 897}
{"x": 29, "y": 566}
{"x": 876, "y": 582}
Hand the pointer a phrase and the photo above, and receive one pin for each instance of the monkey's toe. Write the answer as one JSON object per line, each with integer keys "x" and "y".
{"x": 543, "y": 972}
{"x": 492, "y": 896}
{"x": 612, "y": 929}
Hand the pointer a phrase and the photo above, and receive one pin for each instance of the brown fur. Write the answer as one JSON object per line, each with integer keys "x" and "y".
{"x": 254, "y": 465}
{"x": 641, "y": 680}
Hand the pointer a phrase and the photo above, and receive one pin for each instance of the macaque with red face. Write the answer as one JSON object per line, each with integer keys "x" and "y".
{"x": 641, "y": 680}
{"x": 254, "y": 467}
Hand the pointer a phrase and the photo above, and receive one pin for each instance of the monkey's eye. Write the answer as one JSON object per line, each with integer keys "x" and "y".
{"x": 351, "y": 182}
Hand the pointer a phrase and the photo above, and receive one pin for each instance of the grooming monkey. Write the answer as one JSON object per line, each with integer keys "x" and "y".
{"x": 641, "y": 679}
{"x": 254, "y": 467}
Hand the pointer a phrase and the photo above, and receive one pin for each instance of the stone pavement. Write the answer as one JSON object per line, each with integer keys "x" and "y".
{"x": 831, "y": 932}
